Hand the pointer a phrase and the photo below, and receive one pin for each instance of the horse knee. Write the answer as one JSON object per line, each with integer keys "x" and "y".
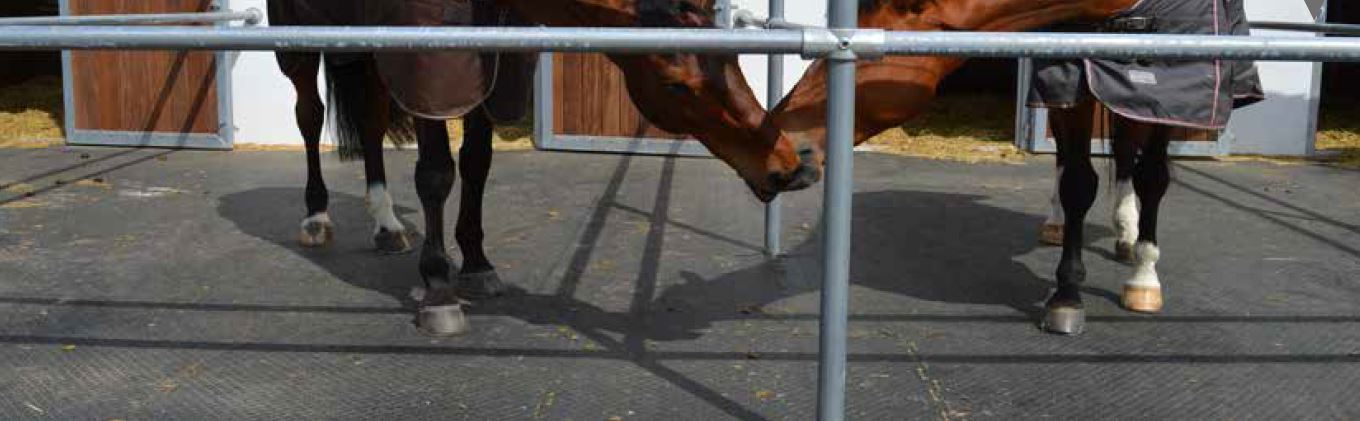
{"x": 434, "y": 180}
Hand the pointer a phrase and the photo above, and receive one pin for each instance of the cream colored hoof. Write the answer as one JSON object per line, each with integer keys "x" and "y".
{"x": 317, "y": 231}
{"x": 1051, "y": 234}
{"x": 1142, "y": 299}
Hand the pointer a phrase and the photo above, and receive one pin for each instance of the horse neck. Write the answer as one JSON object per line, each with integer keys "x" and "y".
{"x": 985, "y": 15}
{"x": 894, "y": 90}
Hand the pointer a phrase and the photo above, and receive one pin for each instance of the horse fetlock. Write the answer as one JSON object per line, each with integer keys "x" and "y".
{"x": 1051, "y": 234}
{"x": 480, "y": 285}
{"x": 380, "y": 207}
{"x": 1071, "y": 272}
{"x": 435, "y": 267}
{"x": 391, "y": 242}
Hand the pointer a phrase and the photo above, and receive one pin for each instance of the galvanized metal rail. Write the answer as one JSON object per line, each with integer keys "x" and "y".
{"x": 841, "y": 45}
{"x": 251, "y": 16}
{"x": 1321, "y": 28}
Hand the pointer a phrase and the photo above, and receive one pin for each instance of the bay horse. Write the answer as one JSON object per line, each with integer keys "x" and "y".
{"x": 705, "y": 96}
{"x": 897, "y": 88}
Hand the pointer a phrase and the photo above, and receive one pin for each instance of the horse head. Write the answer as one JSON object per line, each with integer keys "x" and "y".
{"x": 705, "y": 96}
{"x": 893, "y": 90}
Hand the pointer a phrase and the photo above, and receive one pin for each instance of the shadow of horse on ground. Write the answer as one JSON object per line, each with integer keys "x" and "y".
{"x": 273, "y": 215}
{"x": 938, "y": 247}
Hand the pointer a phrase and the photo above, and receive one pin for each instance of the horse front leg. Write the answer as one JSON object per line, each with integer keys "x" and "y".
{"x": 1064, "y": 311}
{"x": 1051, "y": 233}
{"x": 478, "y": 277}
{"x": 1151, "y": 179}
{"x": 440, "y": 310}
{"x": 317, "y": 228}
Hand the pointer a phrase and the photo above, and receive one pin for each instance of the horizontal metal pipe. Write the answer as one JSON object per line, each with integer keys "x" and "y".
{"x": 250, "y": 16}
{"x": 665, "y": 40}
{"x": 373, "y": 38}
{"x": 1321, "y": 28}
{"x": 1052, "y": 45}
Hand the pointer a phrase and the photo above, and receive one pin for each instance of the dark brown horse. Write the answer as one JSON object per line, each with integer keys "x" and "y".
{"x": 895, "y": 89}
{"x": 704, "y": 96}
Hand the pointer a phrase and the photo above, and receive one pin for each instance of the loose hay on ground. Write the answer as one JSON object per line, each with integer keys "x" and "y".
{"x": 961, "y": 127}
{"x": 1339, "y": 133}
{"x": 31, "y": 114}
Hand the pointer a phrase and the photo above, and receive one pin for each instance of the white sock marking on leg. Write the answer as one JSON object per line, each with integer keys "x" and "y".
{"x": 1125, "y": 213}
{"x": 1145, "y": 273}
{"x": 380, "y": 208}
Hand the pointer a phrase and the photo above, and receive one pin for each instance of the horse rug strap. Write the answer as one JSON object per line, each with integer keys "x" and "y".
{"x": 1192, "y": 94}
{"x": 448, "y": 84}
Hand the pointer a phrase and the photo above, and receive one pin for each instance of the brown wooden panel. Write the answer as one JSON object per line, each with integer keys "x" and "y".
{"x": 590, "y": 99}
{"x": 1102, "y": 128}
{"x": 145, "y": 91}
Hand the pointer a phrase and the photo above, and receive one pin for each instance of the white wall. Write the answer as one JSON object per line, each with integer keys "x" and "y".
{"x": 1285, "y": 123}
{"x": 1282, "y": 125}
{"x": 262, "y": 99}
{"x": 756, "y": 67}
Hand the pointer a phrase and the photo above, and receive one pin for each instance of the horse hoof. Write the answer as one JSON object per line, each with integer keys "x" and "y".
{"x": 391, "y": 242}
{"x": 1065, "y": 320}
{"x": 1051, "y": 234}
{"x": 1142, "y": 299}
{"x": 442, "y": 320}
{"x": 316, "y": 233}
{"x": 1124, "y": 252}
{"x": 481, "y": 285}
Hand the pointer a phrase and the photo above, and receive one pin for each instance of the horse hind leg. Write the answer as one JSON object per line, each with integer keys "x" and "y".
{"x": 317, "y": 228}
{"x": 1151, "y": 179}
{"x": 363, "y": 96}
{"x": 1125, "y": 210}
{"x": 478, "y": 277}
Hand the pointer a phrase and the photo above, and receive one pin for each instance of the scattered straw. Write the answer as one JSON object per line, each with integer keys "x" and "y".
{"x": 1338, "y": 139}
{"x": 966, "y": 127}
{"x": 31, "y": 114}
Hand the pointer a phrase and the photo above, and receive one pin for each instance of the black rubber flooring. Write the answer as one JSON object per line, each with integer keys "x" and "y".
{"x": 168, "y": 285}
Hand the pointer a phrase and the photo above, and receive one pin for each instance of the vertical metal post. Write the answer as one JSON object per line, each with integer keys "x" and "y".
{"x": 836, "y": 215}
{"x": 1023, "y": 140}
{"x": 774, "y": 92}
{"x": 543, "y": 101}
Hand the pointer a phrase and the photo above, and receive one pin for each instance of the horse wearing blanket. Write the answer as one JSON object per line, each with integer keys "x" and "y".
{"x": 1148, "y": 97}
{"x": 409, "y": 95}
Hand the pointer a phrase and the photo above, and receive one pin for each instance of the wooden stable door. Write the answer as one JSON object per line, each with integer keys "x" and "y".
{"x": 143, "y": 98}
{"x": 591, "y": 111}
{"x": 595, "y": 102}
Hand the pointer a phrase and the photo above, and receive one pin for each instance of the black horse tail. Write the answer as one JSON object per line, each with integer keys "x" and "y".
{"x": 353, "y": 87}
